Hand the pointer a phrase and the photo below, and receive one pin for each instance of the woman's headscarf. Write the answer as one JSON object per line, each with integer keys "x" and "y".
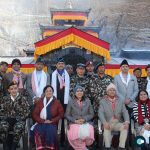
{"x": 78, "y": 87}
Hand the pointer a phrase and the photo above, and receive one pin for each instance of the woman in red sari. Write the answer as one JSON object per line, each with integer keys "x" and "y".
{"x": 47, "y": 112}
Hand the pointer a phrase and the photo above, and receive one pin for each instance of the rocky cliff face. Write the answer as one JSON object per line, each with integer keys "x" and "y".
{"x": 123, "y": 23}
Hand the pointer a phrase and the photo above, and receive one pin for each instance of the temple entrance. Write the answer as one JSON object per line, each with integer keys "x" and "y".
{"x": 74, "y": 60}
{"x": 71, "y": 55}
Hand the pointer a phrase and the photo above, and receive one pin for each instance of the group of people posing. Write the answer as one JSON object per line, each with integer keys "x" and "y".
{"x": 81, "y": 98}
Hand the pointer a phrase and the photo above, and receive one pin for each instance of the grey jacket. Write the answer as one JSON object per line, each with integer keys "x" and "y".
{"x": 74, "y": 111}
{"x": 127, "y": 92}
{"x": 29, "y": 86}
{"x": 106, "y": 113}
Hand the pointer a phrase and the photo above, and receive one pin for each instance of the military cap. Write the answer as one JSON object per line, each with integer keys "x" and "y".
{"x": 88, "y": 63}
{"x": 99, "y": 64}
{"x": 40, "y": 60}
{"x": 80, "y": 65}
{"x": 60, "y": 60}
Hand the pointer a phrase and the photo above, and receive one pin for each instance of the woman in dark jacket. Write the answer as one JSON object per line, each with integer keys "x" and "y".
{"x": 47, "y": 112}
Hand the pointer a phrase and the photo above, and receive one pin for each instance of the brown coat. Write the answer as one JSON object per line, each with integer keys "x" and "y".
{"x": 56, "y": 110}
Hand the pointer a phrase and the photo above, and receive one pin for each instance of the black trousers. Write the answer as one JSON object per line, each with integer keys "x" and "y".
{"x": 130, "y": 111}
{"x": 62, "y": 138}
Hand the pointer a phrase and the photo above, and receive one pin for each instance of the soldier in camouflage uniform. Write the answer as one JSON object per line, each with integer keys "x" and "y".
{"x": 79, "y": 79}
{"x": 141, "y": 81}
{"x": 97, "y": 89}
{"x": 14, "y": 111}
{"x": 98, "y": 85}
{"x": 3, "y": 124}
{"x": 91, "y": 76}
{"x": 90, "y": 69}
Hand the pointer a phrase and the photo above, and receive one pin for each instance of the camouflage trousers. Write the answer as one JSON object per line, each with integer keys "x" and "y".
{"x": 4, "y": 128}
{"x": 17, "y": 130}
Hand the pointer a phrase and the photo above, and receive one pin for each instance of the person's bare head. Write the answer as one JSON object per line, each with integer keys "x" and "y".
{"x": 3, "y": 67}
{"x": 137, "y": 72}
{"x": 147, "y": 69}
{"x": 16, "y": 64}
{"x": 69, "y": 69}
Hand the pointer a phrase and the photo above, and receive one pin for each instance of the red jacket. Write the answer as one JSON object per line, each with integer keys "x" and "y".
{"x": 56, "y": 110}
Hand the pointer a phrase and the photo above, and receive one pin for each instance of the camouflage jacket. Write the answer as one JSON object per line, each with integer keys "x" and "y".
{"x": 91, "y": 75}
{"x": 19, "y": 108}
{"x": 142, "y": 83}
{"x": 2, "y": 90}
{"x": 97, "y": 88}
{"x": 91, "y": 88}
{"x": 2, "y": 109}
{"x": 82, "y": 81}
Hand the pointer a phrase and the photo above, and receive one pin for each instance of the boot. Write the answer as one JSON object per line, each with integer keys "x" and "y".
{"x": 107, "y": 148}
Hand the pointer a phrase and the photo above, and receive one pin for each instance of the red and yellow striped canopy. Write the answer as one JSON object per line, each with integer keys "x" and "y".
{"x": 48, "y": 33}
{"x": 76, "y": 36}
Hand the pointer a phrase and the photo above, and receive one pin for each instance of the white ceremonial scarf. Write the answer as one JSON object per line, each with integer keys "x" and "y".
{"x": 67, "y": 85}
{"x": 61, "y": 79}
{"x": 38, "y": 88}
{"x": 43, "y": 114}
{"x": 148, "y": 86}
{"x": 12, "y": 98}
{"x": 123, "y": 80}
